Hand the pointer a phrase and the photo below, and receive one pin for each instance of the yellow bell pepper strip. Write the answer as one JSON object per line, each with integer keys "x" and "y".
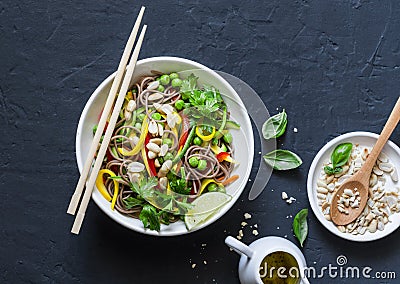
{"x": 179, "y": 118}
{"x": 199, "y": 133}
{"x": 175, "y": 131}
{"x": 145, "y": 161}
{"x": 206, "y": 182}
{"x": 115, "y": 195}
{"x": 129, "y": 95}
{"x": 100, "y": 184}
{"x": 169, "y": 189}
{"x": 137, "y": 148}
{"x": 216, "y": 149}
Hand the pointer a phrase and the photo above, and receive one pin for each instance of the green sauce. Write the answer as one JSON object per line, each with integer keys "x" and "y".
{"x": 283, "y": 262}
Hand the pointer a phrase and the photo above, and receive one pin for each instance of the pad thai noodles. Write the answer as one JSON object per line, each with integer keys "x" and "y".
{"x": 171, "y": 144}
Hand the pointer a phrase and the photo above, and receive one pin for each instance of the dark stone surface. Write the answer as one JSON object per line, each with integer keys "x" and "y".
{"x": 333, "y": 65}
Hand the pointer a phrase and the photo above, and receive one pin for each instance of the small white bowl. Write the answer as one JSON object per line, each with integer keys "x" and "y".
{"x": 365, "y": 139}
{"x": 242, "y": 140}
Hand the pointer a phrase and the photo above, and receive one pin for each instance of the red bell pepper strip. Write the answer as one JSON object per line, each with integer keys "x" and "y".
{"x": 185, "y": 130}
{"x": 152, "y": 167}
{"x": 222, "y": 156}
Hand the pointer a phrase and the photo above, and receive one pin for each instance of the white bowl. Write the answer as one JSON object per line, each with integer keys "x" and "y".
{"x": 365, "y": 139}
{"x": 242, "y": 139}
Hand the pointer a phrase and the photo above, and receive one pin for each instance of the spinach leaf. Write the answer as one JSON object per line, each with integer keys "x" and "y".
{"x": 341, "y": 154}
{"x": 150, "y": 217}
{"x": 300, "y": 226}
{"x": 282, "y": 160}
{"x": 275, "y": 126}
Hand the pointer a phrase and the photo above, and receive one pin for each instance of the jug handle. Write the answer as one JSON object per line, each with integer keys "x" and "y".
{"x": 239, "y": 247}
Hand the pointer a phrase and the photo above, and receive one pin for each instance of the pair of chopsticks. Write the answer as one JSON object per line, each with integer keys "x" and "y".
{"x": 90, "y": 179}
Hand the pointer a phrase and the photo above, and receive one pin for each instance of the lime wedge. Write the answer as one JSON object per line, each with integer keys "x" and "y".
{"x": 205, "y": 206}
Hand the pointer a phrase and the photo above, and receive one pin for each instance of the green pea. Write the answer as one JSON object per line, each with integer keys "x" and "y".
{"x": 202, "y": 165}
{"x": 138, "y": 125}
{"x": 158, "y": 79}
{"x": 228, "y": 138}
{"x": 141, "y": 116}
{"x": 197, "y": 141}
{"x": 161, "y": 88}
{"x": 212, "y": 187}
{"x": 173, "y": 76}
{"x": 193, "y": 162}
{"x": 176, "y": 82}
{"x": 164, "y": 79}
{"x": 156, "y": 116}
{"x": 179, "y": 104}
{"x": 167, "y": 141}
{"x": 168, "y": 156}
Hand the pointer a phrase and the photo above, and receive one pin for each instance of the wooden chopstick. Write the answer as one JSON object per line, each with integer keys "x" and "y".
{"x": 107, "y": 136}
{"x": 73, "y": 205}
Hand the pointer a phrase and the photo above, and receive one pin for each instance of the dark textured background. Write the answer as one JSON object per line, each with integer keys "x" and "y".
{"x": 333, "y": 65}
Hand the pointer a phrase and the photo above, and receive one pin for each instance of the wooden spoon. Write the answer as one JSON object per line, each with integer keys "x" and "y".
{"x": 360, "y": 181}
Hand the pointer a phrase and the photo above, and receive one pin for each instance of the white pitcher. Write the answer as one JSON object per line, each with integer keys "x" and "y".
{"x": 253, "y": 255}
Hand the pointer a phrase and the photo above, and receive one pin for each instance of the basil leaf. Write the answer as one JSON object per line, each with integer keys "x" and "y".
{"x": 282, "y": 160}
{"x": 331, "y": 171}
{"x": 300, "y": 226}
{"x": 275, "y": 126}
{"x": 341, "y": 154}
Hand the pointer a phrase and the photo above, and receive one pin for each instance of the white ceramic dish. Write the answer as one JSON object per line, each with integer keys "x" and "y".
{"x": 252, "y": 256}
{"x": 242, "y": 139}
{"x": 365, "y": 139}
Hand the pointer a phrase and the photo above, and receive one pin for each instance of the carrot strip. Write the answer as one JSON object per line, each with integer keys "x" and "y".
{"x": 230, "y": 180}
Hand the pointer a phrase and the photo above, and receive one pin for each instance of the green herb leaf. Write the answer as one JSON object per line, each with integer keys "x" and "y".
{"x": 150, "y": 217}
{"x": 132, "y": 202}
{"x": 275, "y": 126}
{"x": 189, "y": 84}
{"x": 116, "y": 178}
{"x": 282, "y": 160}
{"x": 300, "y": 226}
{"x": 177, "y": 184}
{"x": 165, "y": 217}
{"x": 146, "y": 187}
{"x": 341, "y": 154}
